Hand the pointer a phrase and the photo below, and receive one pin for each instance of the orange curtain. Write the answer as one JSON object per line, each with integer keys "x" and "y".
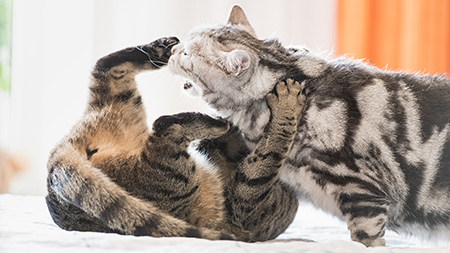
{"x": 407, "y": 35}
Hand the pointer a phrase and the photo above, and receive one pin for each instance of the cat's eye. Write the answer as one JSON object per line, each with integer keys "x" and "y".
{"x": 185, "y": 53}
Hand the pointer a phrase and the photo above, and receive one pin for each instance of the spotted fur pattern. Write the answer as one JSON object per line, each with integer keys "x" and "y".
{"x": 111, "y": 174}
{"x": 373, "y": 146}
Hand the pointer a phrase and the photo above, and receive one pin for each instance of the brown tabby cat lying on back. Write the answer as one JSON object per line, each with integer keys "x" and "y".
{"x": 111, "y": 174}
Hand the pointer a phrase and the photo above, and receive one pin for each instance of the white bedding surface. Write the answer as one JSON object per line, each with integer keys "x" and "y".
{"x": 26, "y": 226}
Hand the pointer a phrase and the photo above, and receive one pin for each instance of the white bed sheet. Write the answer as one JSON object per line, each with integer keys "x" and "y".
{"x": 26, "y": 226}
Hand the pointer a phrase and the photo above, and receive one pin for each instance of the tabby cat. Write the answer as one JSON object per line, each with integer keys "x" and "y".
{"x": 373, "y": 147}
{"x": 110, "y": 174}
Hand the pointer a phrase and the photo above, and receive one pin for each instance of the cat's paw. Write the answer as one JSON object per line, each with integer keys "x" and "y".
{"x": 287, "y": 99}
{"x": 190, "y": 126}
{"x": 159, "y": 50}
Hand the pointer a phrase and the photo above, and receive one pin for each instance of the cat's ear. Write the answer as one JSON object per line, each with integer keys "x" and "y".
{"x": 237, "y": 17}
{"x": 237, "y": 62}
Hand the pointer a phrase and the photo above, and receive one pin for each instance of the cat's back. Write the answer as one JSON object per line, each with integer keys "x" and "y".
{"x": 358, "y": 73}
{"x": 353, "y": 103}
{"x": 362, "y": 87}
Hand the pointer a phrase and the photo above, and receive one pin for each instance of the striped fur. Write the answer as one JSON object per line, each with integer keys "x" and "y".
{"x": 111, "y": 174}
{"x": 373, "y": 146}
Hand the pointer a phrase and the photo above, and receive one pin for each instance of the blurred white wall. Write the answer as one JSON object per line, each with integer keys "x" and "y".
{"x": 56, "y": 43}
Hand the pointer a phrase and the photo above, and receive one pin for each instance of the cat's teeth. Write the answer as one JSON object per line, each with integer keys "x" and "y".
{"x": 187, "y": 85}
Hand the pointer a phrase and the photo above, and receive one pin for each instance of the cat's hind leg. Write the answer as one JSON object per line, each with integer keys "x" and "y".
{"x": 74, "y": 180}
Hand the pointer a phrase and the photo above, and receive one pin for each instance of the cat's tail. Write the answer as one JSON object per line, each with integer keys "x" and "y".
{"x": 74, "y": 180}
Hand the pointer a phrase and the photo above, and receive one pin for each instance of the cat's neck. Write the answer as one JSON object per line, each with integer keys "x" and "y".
{"x": 251, "y": 120}
{"x": 247, "y": 110}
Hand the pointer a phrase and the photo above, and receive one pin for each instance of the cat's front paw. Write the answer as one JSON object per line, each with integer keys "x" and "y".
{"x": 190, "y": 126}
{"x": 159, "y": 50}
{"x": 287, "y": 99}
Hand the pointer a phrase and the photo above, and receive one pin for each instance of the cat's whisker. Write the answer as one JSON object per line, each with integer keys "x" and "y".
{"x": 155, "y": 63}
{"x": 171, "y": 44}
{"x": 158, "y": 62}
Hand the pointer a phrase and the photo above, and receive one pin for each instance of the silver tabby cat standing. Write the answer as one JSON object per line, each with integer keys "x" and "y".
{"x": 110, "y": 174}
{"x": 373, "y": 147}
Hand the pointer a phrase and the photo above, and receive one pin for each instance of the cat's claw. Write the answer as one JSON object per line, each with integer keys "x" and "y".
{"x": 293, "y": 86}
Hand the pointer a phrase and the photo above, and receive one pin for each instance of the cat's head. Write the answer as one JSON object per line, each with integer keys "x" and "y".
{"x": 229, "y": 60}
{"x": 221, "y": 58}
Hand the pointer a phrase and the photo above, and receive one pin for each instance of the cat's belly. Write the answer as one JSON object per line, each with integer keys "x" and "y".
{"x": 304, "y": 183}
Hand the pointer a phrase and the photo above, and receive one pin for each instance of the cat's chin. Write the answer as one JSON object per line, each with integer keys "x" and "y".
{"x": 192, "y": 89}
